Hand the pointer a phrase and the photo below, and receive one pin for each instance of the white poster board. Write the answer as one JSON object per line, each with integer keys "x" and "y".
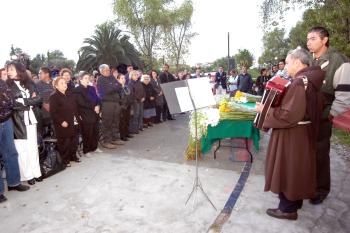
{"x": 201, "y": 92}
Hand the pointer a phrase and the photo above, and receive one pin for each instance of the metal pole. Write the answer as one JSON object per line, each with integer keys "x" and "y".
{"x": 228, "y": 52}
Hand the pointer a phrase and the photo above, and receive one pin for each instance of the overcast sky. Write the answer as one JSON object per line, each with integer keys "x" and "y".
{"x": 37, "y": 26}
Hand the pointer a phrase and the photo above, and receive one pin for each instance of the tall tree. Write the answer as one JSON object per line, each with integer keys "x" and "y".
{"x": 108, "y": 46}
{"x": 244, "y": 57}
{"x": 178, "y": 34}
{"x": 333, "y": 14}
{"x": 322, "y": 16}
{"x": 144, "y": 19}
{"x": 275, "y": 45}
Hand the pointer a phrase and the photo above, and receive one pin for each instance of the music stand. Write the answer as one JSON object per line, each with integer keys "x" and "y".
{"x": 190, "y": 95}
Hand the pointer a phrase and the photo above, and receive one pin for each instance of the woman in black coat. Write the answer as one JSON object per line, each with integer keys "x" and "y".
{"x": 149, "y": 106}
{"x": 65, "y": 117}
{"x": 24, "y": 121}
{"x": 126, "y": 101}
{"x": 88, "y": 105}
{"x": 155, "y": 81}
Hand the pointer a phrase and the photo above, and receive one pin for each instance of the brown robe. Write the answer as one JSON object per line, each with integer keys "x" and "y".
{"x": 290, "y": 160}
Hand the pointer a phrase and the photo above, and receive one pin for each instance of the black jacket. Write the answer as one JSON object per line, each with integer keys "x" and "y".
{"x": 150, "y": 92}
{"x": 126, "y": 97}
{"x": 86, "y": 99}
{"x": 221, "y": 79}
{"x": 19, "y": 127}
{"x": 137, "y": 90}
{"x": 166, "y": 77}
{"x": 245, "y": 83}
{"x": 6, "y": 102}
{"x": 108, "y": 89}
{"x": 63, "y": 108}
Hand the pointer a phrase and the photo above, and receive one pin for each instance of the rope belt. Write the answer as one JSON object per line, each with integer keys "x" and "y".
{"x": 304, "y": 122}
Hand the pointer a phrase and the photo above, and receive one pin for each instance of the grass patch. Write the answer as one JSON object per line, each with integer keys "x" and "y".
{"x": 342, "y": 137}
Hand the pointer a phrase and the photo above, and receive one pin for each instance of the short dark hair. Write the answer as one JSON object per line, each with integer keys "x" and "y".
{"x": 322, "y": 31}
{"x": 282, "y": 60}
{"x": 262, "y": 71}
{"x": 46, "y": 70}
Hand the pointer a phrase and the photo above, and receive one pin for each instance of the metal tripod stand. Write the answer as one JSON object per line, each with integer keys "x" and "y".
{"x": 197, "y": 183}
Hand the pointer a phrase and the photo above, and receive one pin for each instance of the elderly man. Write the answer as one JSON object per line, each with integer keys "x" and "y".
{"x": 109, "y": 92}
{"x": 336, "y": 92}
{"x": 290, "y": 160}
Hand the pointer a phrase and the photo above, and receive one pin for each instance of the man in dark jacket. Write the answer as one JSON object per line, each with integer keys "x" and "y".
{"x": 166, "y": 77}
{"x": 336, "y": 93}
{"x": 45, "y": 89}
{"x": 245, "y": 81}
{"x": 108, "y": 89}
{"x": 220, "y": 80}
{"x": 8, "y": 152}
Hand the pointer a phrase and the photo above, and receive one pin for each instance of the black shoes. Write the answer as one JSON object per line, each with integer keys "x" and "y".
{"x": 277, "y": 213}
{"x": 20, "y": 188}
{"x": 31, "y": 182}
{"x": 129, "y": 136}
{"x": 124, "y": 139}
{"x": 76, "y": 159}
{"x": 2, "y": 198}
{"x": 317, "y": 200}
{"x": 39, "y": 179}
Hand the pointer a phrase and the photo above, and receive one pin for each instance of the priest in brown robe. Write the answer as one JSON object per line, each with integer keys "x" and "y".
{"x": 290, "y": 160}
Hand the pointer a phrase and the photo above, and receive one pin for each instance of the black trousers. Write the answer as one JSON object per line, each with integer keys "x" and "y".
{"x": 67, "y": 147}
{"x": 288, "y": 206}
{"x": 110, "y": 120}
{"x": 323, "y": 174}
{"x": 89, "y": 133}
{"x": 166, "y": 113}
{"x": 124, "y": 122}
{"x": 159, "y": 110}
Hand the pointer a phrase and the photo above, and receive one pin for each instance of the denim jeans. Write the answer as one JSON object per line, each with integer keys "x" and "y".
{"x": 136, "y": 122}
{"x": 9, "y": 155}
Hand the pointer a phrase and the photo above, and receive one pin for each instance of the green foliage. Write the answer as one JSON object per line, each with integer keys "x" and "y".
{"x": 244, "y": 58}
{"x": 254, "y": 72}
{"x": 144, "y": 19}
{"x": 177, "y": 34}
{"x": 341, "y": 136}
{"x": 332, "y": 14}
{"x": 275, "y": 46}
{"x": 219, "y": 62}
{"x": 328, "y": 17}
{"x": 158, "y": 27}
{"x": 107, "y": 46}
{"x": 54, "y": 59}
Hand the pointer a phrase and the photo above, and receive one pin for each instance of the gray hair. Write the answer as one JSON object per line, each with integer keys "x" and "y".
{"x": 102, "y": 67}
{"x": 301, "y": 54}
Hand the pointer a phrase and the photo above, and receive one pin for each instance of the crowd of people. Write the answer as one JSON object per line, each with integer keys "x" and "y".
{"x": 106, "y": 108}
{"x": 110, "y": 107}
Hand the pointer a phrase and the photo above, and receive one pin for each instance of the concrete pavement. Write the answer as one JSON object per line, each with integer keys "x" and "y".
{"x": 142, "y": 186}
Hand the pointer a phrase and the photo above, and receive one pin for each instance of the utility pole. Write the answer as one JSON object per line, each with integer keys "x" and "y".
{"x": 228, "y": 52}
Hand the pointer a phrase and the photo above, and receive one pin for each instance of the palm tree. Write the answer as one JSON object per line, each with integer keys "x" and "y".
{"x": 107, "y": 46}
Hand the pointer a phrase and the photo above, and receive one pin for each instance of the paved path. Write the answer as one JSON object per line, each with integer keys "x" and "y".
{"x": 143, "y": 185}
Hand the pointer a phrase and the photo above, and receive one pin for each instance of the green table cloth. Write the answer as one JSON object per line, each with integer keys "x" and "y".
{"x": 230, "y": 129}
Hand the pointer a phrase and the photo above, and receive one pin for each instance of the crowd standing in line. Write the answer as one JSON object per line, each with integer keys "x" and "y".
{"x": 110, "y": 108}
